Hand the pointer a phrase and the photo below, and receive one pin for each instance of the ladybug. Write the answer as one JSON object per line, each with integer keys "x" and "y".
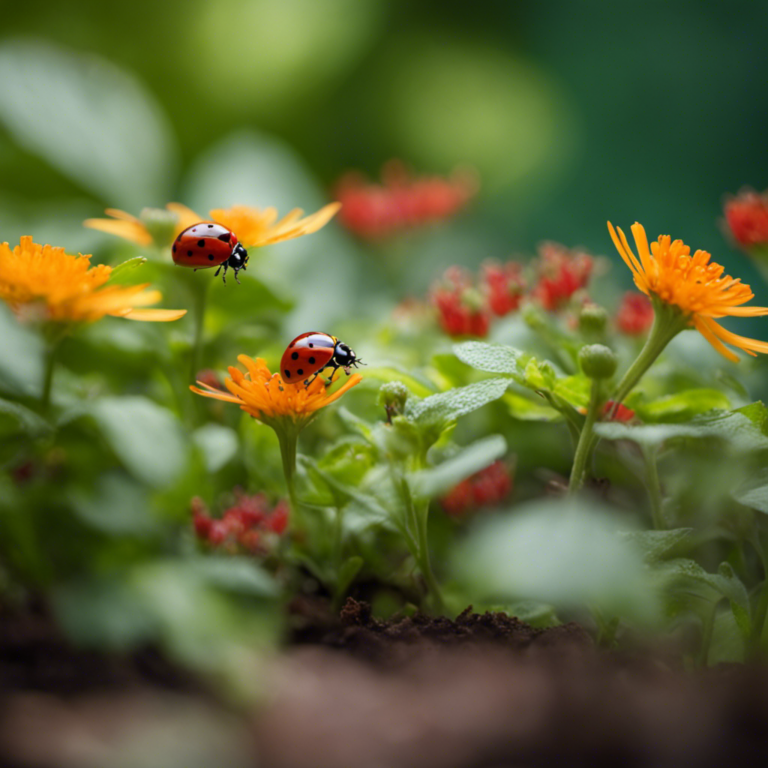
{"x": 209, "y": 245}
{"x": 313, "y": 351}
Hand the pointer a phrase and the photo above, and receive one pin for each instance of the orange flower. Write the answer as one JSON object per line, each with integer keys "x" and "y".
{"x": 254, "y": 227}
{"x": 693, "y": 285}
{"x": 266, "y": 397}
{"x": 45, "y": 282}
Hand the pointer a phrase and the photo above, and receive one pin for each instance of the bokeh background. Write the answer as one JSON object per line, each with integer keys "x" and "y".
{"x": 572, "y": 114}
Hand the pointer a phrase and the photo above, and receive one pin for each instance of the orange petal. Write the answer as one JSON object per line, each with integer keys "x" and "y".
{"x": 133, "y": 231}
{"x": 155, "y": 315}
{"x": 701, "y": 326}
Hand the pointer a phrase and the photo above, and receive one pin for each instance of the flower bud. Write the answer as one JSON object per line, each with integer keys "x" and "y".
{"x": 592, "y": 321}
{"x": 392, "y": 397}
{"x": 597, "y": 361}
{"x": 160, "y": 224}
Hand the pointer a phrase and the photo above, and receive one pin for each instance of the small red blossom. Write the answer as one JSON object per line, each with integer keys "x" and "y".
{"x": 561, "y": 272}
{"x": 373, "y": 211}
{"x": 504, "y": 286}
{"x": 747, "y": 218}
{"x": 635, "y": 315}
{"x": 461, "y": 307}
{"x": 249, "y": 525}
{"x": 485, "y": 488}
{"x": 620, "y": 412}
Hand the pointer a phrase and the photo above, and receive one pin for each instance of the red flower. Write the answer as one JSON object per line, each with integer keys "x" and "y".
{"x": 460, "y": 305}
{"x": 635, "y": 315}
{"x": 747, "y": 218}
{"x": 561, "y": 272}
{"x": 485, "y": 488}
{"x": 249, "y": 525}
{"x": 504, "y": 285}
{"x": 373, "y": 211}
{"x": 620, "y": 412}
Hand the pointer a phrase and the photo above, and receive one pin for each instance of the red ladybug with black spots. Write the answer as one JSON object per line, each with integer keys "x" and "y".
{"x": 206, "y": 245}
{"x": 311, "y": 353}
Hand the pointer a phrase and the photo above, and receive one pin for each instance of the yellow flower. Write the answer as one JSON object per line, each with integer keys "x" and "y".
{"x": 266, "y": 397}
{"x": 47, "y": 282}
{"x": 254, "y": 227}
{"x": 696, "y": 286}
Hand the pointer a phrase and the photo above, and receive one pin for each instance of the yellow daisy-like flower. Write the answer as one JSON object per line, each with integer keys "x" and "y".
{"x": 266, "y": 397}
{"x": 694, "y": 285}
{"x": 254, "y": 227}
{"x": 48, "y": 283}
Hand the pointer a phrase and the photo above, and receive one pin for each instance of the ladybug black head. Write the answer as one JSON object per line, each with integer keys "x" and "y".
{"x": 344, "y": 356}
{"x": 239, "y": 258}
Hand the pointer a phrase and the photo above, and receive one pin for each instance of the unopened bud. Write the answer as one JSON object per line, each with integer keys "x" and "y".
{"x": 597, "y": 361}
{"x": 392, "y": 397}
{"x": 592, "y": 321}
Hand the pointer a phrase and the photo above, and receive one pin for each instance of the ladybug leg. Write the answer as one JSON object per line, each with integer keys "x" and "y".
{"x": 236, "y": 270}
{"x": 216, "y": 273}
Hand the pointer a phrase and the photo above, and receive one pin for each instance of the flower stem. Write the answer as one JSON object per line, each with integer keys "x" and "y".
{"x": 50, "y": 366}
{"x": 586, "y": 442}
{"x": 667, "y": 323}
{"x": 654, "y": 488}
{"x": 201, "y": 300}
{"x": 288, "y": 439}
{"x": 422, "y": 517}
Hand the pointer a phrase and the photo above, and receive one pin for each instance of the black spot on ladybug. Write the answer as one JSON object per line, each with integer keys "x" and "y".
{"x": 189, "y": 253}
{"x": 174, "y": 249}
{"x": 287, "y": 374}
{"x": 200, "y": 243}
{"x": 311, "y": 346}
{"x": 211, "y": 257}
{"x": 210, "y": 226}
{"x": 311, "y": 360}
{"x": 295, "y": 356}
{"x": 300, "y": 371}
{"x": 224, "y": 238}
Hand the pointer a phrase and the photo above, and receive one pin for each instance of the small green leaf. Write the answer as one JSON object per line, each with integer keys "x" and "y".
{"x": 757, "y": 413}
{"x": 473, "y": 458}
{"x": 573, "y": 390}
{"x": 492, "y": 358}
{"x": 234, "y": 574}
{"x": 682, "y": 406}
{"x": 526, "y": 409}
{"x": 654, "y": 545}
{"x": 122, "y": 269}
{"x": 732, "y": 427}
{"x": 218, "y": 444}
{"x": 349, "y": 569}
{"x": 754, "y": 492}
{"x": 146, "y": 437}
{"x": 449, "y": 406}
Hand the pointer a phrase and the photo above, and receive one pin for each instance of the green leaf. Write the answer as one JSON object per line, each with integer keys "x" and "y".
{"x": 15, "y": 418}
{"x": 92, "y": 121}
{"x": 732, "y": 427}
{"x": 490, "y": 357}
{"x": 349, "y": 569}
{"x": 725, "y": 583}
{"x": 473, "y": 458}
{"x": 218, "y": 444}
{"x": 682, "y": 406}
{"x": 573, "y": 390}
{"x": 757, "y": 413}
{"x": 21, "y": 356}
{"x": 526, "y": 409}
{"x": 449, "y": 406}
{"x": 654, "y": 545}
{"x": 125, "y": 267}
{"x": 561, "y": 552}
{"x": 388, "y": 373}
{"x": 233, "y": 574}
{"x": 754, "y": 492}
{"x": 146, "y": 437}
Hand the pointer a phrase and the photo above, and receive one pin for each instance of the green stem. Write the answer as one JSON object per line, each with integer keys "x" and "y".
{"x": 201, "y": 300}
{"x": 586, "y": 442}
{"x": 50, "y": 365}
{"x": 338, "y": 531}
{"x": 422, "y": 518}
{"x": 759, "y": 640}
{"x": 667, "y": 323}
{"x": 654, "y": 488}
{"x": 288, "y": 437}
{"x": 707, "y": 628}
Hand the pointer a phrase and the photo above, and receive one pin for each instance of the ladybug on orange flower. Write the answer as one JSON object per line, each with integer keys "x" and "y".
{"x": 205, "y": 245}
{"x": 312, "y": 352}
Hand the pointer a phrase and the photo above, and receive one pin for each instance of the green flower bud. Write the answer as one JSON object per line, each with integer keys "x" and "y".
{"x": 392, "y": 397}
{"x": 592, "y": 320}
{"x": 160, "y": 224}
{"x": 597, "y": 361}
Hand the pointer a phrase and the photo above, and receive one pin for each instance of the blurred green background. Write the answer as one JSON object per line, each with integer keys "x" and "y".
{"x": 572, "y": 112}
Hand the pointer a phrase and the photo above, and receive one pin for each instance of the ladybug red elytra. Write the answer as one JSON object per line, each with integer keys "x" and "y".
{"x": 206, "y": 245}
{"x": 313, "y": 351}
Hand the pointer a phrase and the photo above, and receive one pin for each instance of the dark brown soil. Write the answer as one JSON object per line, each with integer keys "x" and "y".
{"x": 484, "y": 691}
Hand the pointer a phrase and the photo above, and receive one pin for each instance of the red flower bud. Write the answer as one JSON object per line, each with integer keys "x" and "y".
{"x": 747, "y": 218}
{"x": 635, "y": 315}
